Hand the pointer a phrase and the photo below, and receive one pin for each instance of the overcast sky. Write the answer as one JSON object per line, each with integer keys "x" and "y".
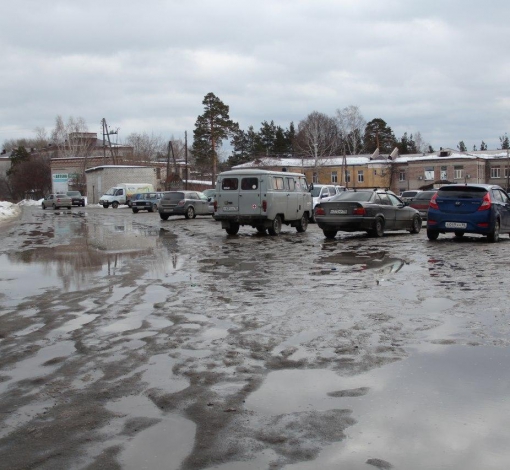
{"x": 438, "y": 67}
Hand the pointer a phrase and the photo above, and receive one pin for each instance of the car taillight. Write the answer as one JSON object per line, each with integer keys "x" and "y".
{"x": 486, "y": 203}
{"x": 433, "y": 203}
{"x": 359, "y": 211}
{"x": 215, "y": 206}
{"x": 181, "y": 203}
{"x": 264, "y": 206}
{"x": 320, "y": 211}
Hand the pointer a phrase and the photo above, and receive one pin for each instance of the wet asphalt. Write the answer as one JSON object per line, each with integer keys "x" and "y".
{"x": 127, "y": 342}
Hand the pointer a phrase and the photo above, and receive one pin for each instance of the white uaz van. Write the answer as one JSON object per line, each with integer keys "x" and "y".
{"x": 262, "y": 199}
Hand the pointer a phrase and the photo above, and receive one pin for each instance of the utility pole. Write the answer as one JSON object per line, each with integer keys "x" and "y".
{"x": 507, "y": 170}
{"x": 186, "y": 158}
{"x": 107, "y": 134}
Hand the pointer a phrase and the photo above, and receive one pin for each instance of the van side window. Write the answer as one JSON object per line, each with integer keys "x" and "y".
{"x": 229, "y": 184}
{"x": 291, "y": 184}
{"x": 249, "y": 184}
{"x": 302, "y": 186}
{"x": 278, "y": 182}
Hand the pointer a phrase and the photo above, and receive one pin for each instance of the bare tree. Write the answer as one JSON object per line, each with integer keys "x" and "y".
{"x": 317, "y": 137}
{"x": 72, "y": 138}
{"x": 421, "y": 145}
{"x": 146, "y": 147}
{"x": 351, "y": 125}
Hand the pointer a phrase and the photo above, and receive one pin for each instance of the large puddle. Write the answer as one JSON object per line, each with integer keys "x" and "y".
{"x": 450, "y": 399}
{"x": 85, "y": 253}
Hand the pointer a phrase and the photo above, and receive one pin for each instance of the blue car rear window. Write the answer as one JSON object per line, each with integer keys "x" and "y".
{"x": 461, "y": 192}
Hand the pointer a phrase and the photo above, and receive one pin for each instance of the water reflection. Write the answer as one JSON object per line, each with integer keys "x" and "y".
{"x": 87, "y": 250}
{"x": 377, "y": 260}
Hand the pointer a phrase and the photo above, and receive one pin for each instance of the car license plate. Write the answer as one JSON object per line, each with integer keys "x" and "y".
{"x": 455, "y": 225}
{"x": 229, "y": 208}
{"x": 338, "y": 211}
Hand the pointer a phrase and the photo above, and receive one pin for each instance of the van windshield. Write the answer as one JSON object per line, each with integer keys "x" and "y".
{"x": 111, "y": 192}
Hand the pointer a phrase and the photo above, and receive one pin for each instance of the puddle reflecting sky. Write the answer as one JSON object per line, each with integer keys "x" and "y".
{"x": 453, "y": 399}
{"x": 93, "y": 250}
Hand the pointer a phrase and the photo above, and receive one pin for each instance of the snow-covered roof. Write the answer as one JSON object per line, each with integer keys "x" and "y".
{"x": 364, "y": 159}
{"x": 115, "y": 166}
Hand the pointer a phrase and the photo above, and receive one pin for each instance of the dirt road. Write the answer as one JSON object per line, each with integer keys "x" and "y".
{"x": 127, "y": 342}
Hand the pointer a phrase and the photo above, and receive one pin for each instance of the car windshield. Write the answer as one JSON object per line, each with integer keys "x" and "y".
{"x": 459, "y": 192}
{"x": 315, "y": 192}
{"x": 409, "y": 193}
{"x": 73, "y": 193}
{"x": 358, "y": 196}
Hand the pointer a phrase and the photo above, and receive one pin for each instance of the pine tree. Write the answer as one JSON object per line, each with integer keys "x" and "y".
{"x": 211, "y": 128}
{"x": 379, "y": 135}
{"x": 483, "y": 146}
{"x": 18, "y": 156}
{"x": 462, "y": 146}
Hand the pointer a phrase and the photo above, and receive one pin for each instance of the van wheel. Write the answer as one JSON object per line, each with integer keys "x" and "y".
{"x": 163, "y": 216}
{"x": 115, "y": 204}
{"x": 105, "y": 206}
{"x": 233, "y": 229}
{"x": 135, "y": 210}
{"x": 190, "y": 213}
{"x": 43, "y": 206}
{"x": 276, "y": 226}
{"x": 302, "y": 225}
{"x": 493, "y": 237}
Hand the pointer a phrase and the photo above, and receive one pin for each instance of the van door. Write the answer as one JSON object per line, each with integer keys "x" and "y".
{"x": 277, "y": 202}
{"x": 250, "y": 199}
{"x": 292, "y": 199}
{"x": 228, "y": 195}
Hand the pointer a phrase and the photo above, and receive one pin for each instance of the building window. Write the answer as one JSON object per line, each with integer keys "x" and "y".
{"x": 360, "y": 176}
{"x": 334, "y": 177}
{"x": 347, "y": 176}
{"x": 315, "y": 177}
{"x": 375, "y": 172}
{"x": 401, "y": 175}
{"x": 444, "y": 173}
{"x": 459, "y": 172}
{"x": 506, "y": 172}
{"x": 495, "y": 172}
{"x": 158, "y": 173}
{"x": 429, "y": 173}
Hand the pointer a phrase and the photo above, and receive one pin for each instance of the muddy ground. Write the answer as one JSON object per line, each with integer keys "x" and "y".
{"x": 127, "y": 342}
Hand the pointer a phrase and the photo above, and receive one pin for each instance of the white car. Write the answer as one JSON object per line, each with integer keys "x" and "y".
{"x": 321, "y": 193}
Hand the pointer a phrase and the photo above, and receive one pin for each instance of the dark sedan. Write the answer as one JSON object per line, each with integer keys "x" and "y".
{"x": 371, "y": 211}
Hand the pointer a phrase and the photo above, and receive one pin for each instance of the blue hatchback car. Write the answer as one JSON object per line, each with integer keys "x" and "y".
{"x": 469, "y": 208}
